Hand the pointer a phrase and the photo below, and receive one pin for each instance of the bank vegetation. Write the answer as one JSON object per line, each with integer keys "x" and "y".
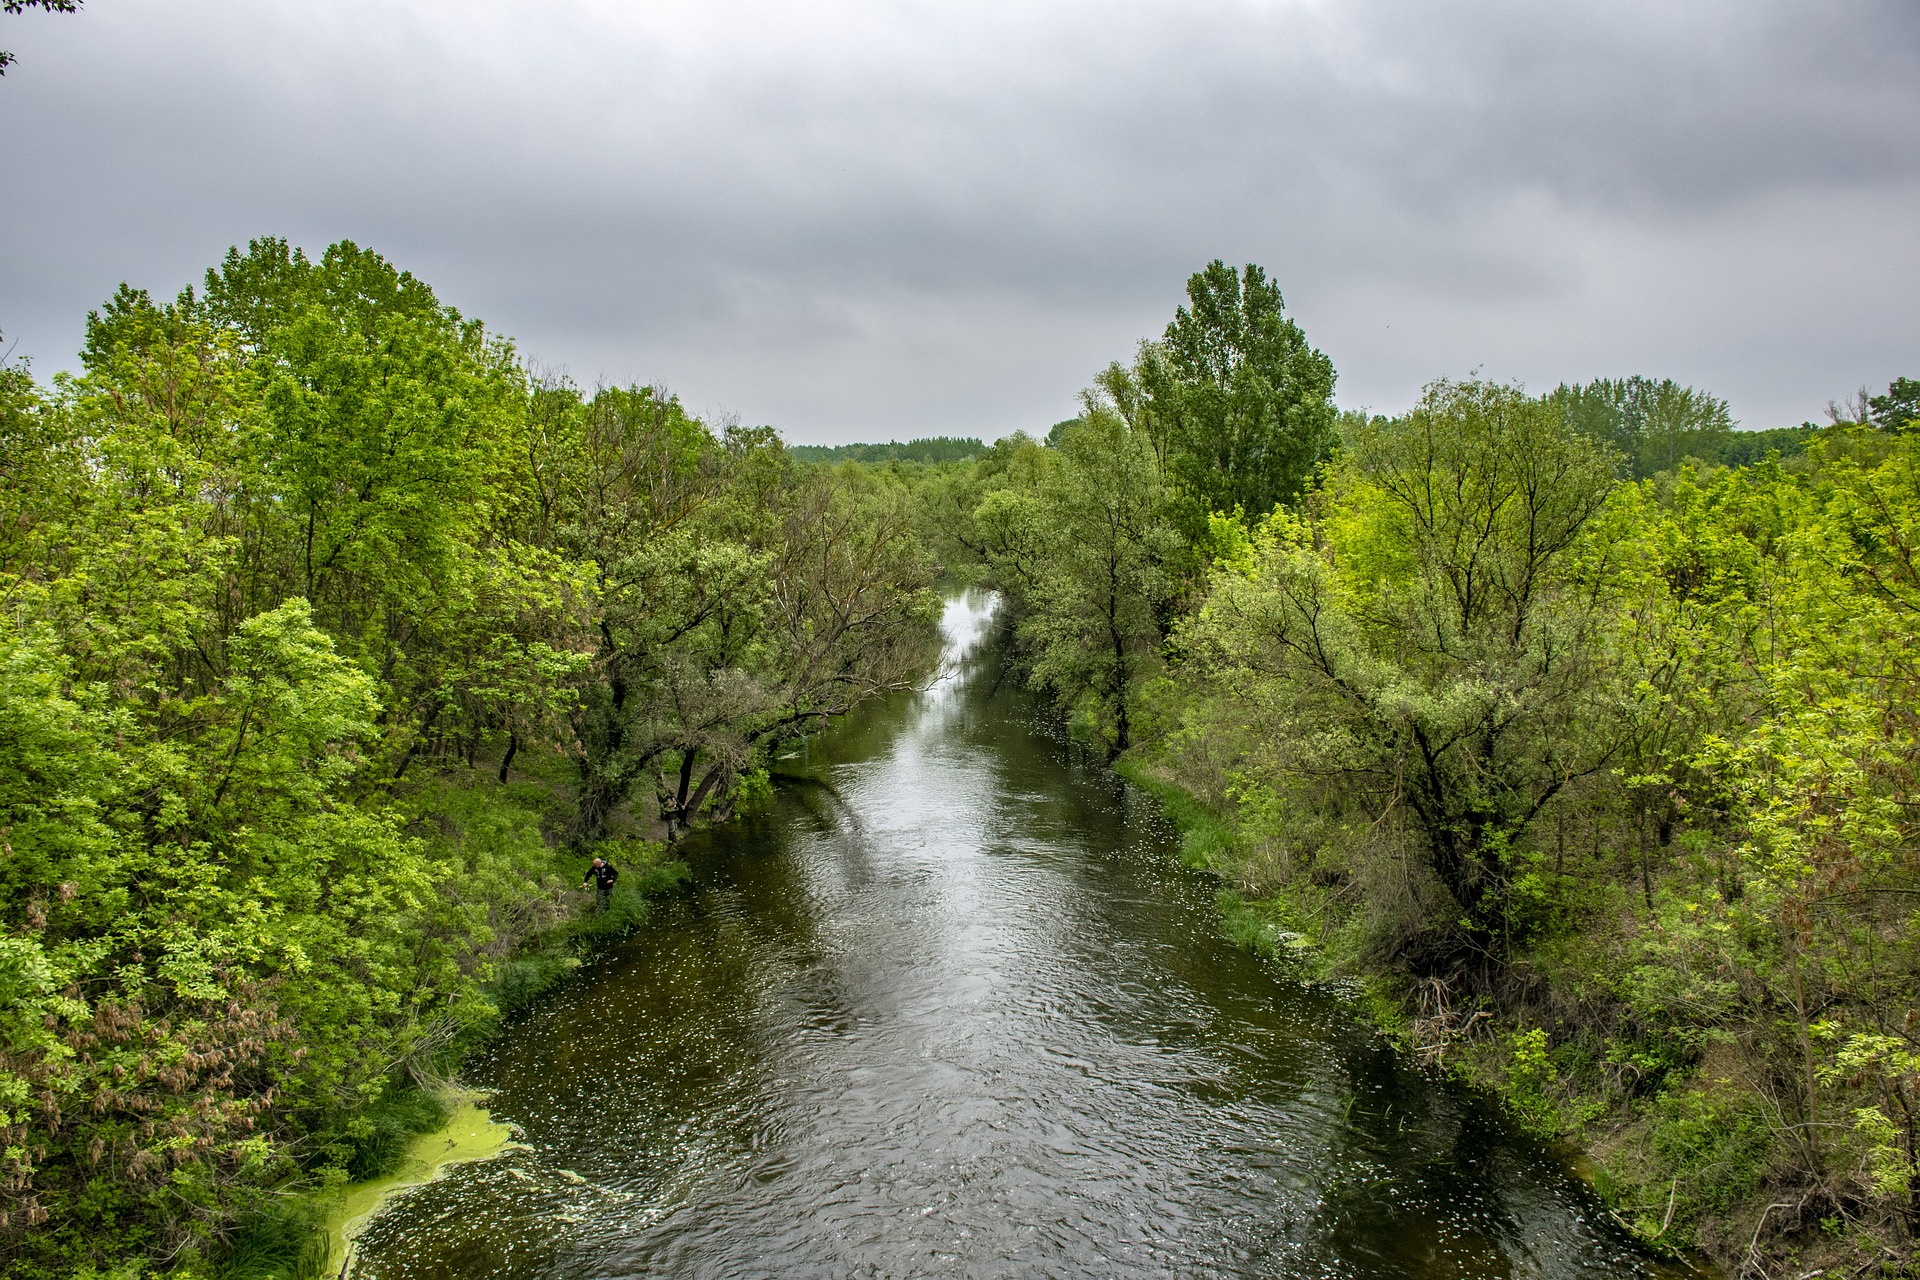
{"x": 1580, "y": 728}
{"x": 333, "y": 642}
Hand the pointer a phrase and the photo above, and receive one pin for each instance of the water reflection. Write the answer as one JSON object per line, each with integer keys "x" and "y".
{"x": 952, "y": 1009}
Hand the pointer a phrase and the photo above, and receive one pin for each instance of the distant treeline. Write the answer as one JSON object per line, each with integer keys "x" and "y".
{"x": 1744, "y": 448}
{"x": 928, "y": 449}
{"x": 1695, "y": 427}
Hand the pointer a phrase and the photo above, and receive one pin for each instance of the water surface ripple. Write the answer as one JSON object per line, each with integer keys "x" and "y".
{"x": 952, "y": 1009}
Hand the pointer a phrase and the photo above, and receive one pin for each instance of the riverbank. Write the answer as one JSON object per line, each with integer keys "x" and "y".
{"x": 1642, "y": 1152}
{"x": 424, "y": 1121}
{"x": 469, "y": 1134}
{"x": 1303, "y": 934}
{"x": 948, "y": 1007}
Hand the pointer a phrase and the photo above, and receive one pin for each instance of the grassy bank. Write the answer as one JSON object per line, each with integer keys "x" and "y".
{"x": 1317, "y": 942}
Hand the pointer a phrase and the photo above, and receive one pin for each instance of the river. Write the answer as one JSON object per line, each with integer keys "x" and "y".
{"x": 952, "y": 1008}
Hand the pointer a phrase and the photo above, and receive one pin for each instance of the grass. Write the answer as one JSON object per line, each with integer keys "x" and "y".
{"x": 1206, "y": 839}
{"x": 285, "y": 1242}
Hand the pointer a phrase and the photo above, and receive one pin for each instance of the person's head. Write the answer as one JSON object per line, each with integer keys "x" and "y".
{"x": 598, "y": 863}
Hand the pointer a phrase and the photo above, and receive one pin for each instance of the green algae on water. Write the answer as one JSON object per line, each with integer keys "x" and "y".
{"x": 469, "y": 1134}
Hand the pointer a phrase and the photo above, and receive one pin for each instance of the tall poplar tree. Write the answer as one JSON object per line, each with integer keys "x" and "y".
{"x": 1242, "y": 402}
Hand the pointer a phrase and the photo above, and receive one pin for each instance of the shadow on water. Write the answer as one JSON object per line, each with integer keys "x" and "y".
{"x": 952, "y": 1008}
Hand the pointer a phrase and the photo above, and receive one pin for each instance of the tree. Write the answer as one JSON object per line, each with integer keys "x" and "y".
{"x": 742, "y": 599}
{"x": 1241, "y": 404}
{"x": 1418, "y": 645}
{"x": 1095, "y": 593}
{"x": 362, "y": 444}
{"x": 1899, "y": 408}
{"x": 1652, "y": 425}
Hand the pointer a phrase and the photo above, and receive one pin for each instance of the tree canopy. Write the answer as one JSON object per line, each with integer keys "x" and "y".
{"x": 332, "y": 639}
{"x": 1652, "y": 426}
{"x": 1238, "y": 405}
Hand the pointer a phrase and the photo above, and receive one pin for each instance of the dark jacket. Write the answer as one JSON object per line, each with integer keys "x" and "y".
{"x": 603, "y": 876}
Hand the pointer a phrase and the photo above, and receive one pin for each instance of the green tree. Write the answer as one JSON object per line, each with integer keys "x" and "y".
{"x": 742, "y": 599}
{"x": 1899, "y": 408}
{"x": 1095, "y": 594}
{"x": 1419, "y": 646}
{"x": 1243, "y": 406}
{"x": 1651, "y": 425}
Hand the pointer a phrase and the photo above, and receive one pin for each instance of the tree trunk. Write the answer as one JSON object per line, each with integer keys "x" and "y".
{"x": 680, "y": 792}
{"x": 506, "y": 761}
{"x": 418, "y": 738}
{"x": 1121, "y": 729}
{"x": 700, "y": 796}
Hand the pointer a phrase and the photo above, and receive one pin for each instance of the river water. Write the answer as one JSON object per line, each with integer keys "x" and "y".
{"x": 952, "y": 1008}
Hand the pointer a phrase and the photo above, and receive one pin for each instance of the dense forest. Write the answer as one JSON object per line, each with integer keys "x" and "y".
{"x": 1579, "y": 729}
{"x": 1575, "y": 731}
{"x": 334, "y": 644}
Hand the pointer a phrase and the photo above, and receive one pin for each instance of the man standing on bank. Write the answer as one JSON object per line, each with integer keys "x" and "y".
{"x": 602, "y": 875}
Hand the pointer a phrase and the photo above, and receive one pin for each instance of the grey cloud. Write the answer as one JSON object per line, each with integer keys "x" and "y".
{"x": 865, "y": 218}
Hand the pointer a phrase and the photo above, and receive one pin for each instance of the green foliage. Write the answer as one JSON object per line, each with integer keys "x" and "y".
{"x": 1652, "y": 426}
{"x": 377, "y": 1138}
{"x": 326, "y": 627}
{"x": 1419, "y": 640}
{"x": 285, "y": 1242}
{"x": 743, "y": 600}
{"x": 1591, "y": 754}
{"x": 1628, "y": 767}
{"x": 1578, "y": 728}
{"x": 1098, "y": 537}
{"x": 1718, "y": 1143}
{"x": 1529, "y": 1083}
{"x": 755, "y": 791}
{"x": 1656, "y": 426}
{"x": 1244, "y": 402}
{"x": 1079, "y": 536}
{"x": 546, "y": 958}
{"x": 334, "y": 644}
{"x": 1245, "y": 927}
{"x": 1899, "y": 408}
{"x": 1747, "y": 448}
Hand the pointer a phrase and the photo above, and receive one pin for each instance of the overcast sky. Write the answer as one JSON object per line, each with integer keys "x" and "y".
{"x": 863, "y": 220}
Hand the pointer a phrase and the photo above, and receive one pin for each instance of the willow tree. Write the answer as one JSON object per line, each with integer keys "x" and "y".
{"x": 741, "y": 598}
{"x": 1420, "y": 649}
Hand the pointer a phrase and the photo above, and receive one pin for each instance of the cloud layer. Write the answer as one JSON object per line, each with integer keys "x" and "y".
{"x": 867, "y": 219}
